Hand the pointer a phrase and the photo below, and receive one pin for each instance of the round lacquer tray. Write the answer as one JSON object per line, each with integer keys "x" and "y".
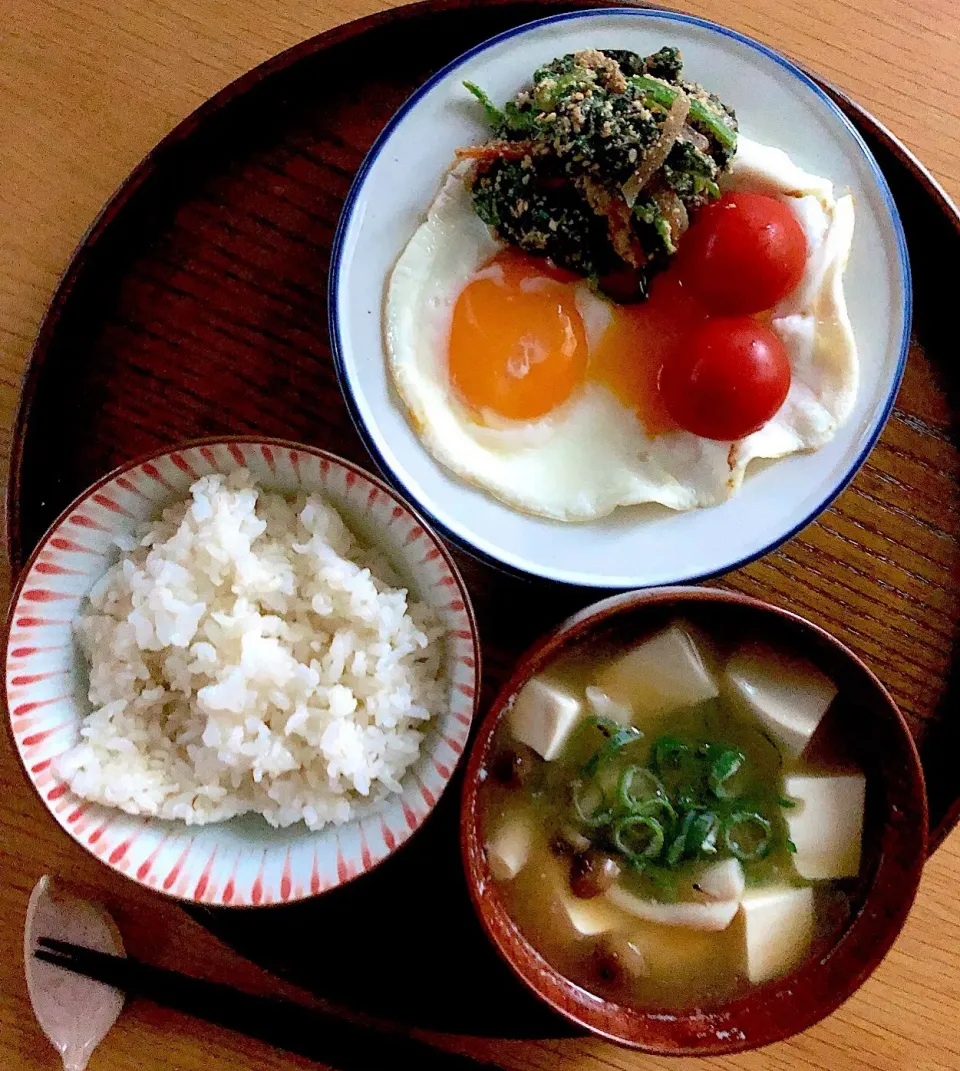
{"x": 196, "y": 306}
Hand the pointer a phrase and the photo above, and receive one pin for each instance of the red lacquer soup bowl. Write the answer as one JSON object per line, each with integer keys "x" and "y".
{"x": 871, "y": 730}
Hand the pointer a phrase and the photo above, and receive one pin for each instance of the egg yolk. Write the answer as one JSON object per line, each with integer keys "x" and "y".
{"x": 637, "y": 341}
{"x": 517, "y": 343}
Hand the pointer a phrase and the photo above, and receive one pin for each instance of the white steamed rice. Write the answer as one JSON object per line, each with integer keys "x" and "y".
{"x": 247, "y": 654}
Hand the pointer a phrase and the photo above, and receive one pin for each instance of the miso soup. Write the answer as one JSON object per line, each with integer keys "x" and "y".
{"x": 660, "y": 824}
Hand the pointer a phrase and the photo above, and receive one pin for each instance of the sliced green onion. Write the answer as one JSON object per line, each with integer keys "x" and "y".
{"x": 606, "y": 751}
{"x": 787, "y": 803}
{"x": 637, "y": 786}
{"x": 591, "y": 816}
{"x": 703, "y": 832}
{"x": 726, "y": 763}
{"x": 679, "y": 806}
{"x": 791, "y": 847}
{"x": 606, "y": 725}
{"x": 679, "y": 846}
{"x": 638, "y": 836}
{"x": 590, "y": 734}
{"x": 747, "y": 822}
{"x": 657, "y": 803}
{"x": 667, "y": 753}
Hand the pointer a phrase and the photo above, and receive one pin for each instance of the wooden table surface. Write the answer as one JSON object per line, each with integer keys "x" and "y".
{"x": 86, "y": 88}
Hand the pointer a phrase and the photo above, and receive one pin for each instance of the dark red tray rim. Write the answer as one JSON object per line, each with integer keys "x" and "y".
{"x": 194, "y": 122}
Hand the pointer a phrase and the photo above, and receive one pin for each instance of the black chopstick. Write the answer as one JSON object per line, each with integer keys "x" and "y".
{"x": 319, "y": 1035}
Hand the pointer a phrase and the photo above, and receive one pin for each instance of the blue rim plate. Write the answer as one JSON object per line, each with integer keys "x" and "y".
{"x": 637, "y": 546}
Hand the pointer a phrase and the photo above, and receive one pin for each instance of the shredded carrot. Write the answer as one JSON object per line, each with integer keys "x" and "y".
{"x": 495, "y": 150}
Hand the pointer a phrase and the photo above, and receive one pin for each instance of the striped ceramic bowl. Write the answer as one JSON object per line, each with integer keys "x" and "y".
{"x": 242, "y": 862}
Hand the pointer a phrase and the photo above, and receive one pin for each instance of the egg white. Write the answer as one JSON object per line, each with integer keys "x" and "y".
{"x": 590, "y": 455}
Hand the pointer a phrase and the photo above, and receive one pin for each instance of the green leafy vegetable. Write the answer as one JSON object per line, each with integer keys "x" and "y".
{"x": 512, "y": 120}
{"x": 657, "y": 91}
{"x": 701, "y": 184}
{"x": 495, "y": 117}
{"x": 664, "y": 95}
{"x": 551, "y": 179}
{"x": 518, "y": 121}
{"x": 724, "y": 135}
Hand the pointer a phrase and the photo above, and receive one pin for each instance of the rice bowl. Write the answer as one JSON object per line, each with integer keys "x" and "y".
{"x": 243, "y": 860}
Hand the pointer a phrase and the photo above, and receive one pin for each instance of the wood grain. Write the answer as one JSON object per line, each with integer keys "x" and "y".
{"x": 88, "y": 88}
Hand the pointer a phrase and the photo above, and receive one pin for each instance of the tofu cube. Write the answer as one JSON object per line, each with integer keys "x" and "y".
{"x": 660, "y": 675}
{"x": 591, "y": 917}
{"x": 788, "y": 695}
{"x": 827, "y": 823}
{"x": 508, "y": 848}
{"x": 543, "y": 717}
{"x": 723, "y": 880}
{"x": 778, "y": 928}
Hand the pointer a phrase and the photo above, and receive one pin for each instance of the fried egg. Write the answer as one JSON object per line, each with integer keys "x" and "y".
{"x": 525, "y": 383}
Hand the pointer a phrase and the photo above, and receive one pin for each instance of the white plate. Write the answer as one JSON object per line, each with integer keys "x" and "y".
{"x": 645, "y": 545}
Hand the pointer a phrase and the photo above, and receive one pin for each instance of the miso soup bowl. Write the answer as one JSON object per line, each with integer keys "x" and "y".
{"x": 869, "y": 725}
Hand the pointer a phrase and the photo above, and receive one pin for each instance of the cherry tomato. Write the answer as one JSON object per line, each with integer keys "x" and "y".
{"x": 743, "y": 254}
{"x": 726, "y": 379}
